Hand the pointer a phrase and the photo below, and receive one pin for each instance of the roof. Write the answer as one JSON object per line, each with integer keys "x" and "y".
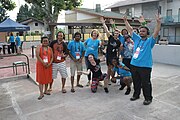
{"x": 29, "y": 20}
{"x": 103, "y": 13}
{"x": 129, "y": 2}
{"x": 11, "y": 26}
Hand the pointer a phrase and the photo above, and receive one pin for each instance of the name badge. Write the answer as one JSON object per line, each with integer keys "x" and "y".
{"x": 77, "y": 55}
{"x": 58, "y": 57}
{"x": 45, "y": 59}
{"x": 136, "y": 54}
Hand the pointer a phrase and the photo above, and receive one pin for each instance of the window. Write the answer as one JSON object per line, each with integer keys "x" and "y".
{"x": 179, "y": 15}
{"x": 36, "y": 32}
{"x": 168, "y": 1}
{"x": 169, "y": 12}
{"x": 159, "y": 10}
{"x": 129, "y": 12}
{"x": 36, "y": 24}
{"x": 165, "y": 32}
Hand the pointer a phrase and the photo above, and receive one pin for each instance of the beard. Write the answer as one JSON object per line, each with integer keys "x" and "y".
{"x": 143, "y": 36}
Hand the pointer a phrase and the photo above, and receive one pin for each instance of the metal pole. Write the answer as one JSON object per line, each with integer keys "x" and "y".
{"x": 32, "y": 47}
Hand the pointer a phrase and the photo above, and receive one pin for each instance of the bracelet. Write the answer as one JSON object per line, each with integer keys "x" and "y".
{"x": 113, "y": 26}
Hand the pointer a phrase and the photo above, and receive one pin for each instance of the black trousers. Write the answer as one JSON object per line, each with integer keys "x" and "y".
{"x": 127, "y": 62}
{"x": 87, "y": 66}
{"x": 141, "y": 79}
{"x": 13, "y": 47}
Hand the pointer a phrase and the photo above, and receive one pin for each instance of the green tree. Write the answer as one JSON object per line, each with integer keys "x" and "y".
{"x": 5, "y": 5}
{"x": 52, "y": 8}
{"x": 25, "y": 12}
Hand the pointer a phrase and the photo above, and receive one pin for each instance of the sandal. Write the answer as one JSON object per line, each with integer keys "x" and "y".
{"x": 49, "y": 90}
{"x": 40, "y": 97}
{"x": 63, "y": 90}
{"x": 79, "y": 85}
{"x": 47, "y": 93}
{"x": 72, "y": 90}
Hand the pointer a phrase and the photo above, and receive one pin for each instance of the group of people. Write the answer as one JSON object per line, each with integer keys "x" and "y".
{"x": 133, "y": 45}
{"x": 15, "y": 43}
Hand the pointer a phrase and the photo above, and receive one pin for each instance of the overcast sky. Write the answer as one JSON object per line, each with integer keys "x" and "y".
{"x": 86, "y": 4}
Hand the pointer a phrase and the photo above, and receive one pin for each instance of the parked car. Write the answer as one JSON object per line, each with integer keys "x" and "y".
{"x": 163, "y": 42}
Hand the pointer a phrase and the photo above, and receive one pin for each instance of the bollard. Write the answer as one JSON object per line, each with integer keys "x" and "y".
{"x": 32, "y": 47}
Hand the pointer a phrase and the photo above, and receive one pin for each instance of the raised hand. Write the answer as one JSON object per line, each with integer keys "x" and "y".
{"x": 141, "y": 19}
{"x": 112, "y": 21}
{"x": 102, "y": 20}
{"x": 158, "y": 18}
{"x": 125, "y": 18}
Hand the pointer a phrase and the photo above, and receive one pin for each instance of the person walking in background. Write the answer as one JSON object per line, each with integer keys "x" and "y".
{"x": 113, "y": 46}
{"x": 60, "y": 52}
{"x": 76, "y": 52}
{"x": 18, "y": 43}
{"x": 141, "y": 63}
{"x": 44, "y": 56}
{"x": 12, "y": 42}
{"x": 91, "y": 44}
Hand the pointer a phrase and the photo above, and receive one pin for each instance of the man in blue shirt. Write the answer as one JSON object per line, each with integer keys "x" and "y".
{"x": 141, "y": 63}
{"x": 76, "y": 52}
{"x": 18, "y": 42}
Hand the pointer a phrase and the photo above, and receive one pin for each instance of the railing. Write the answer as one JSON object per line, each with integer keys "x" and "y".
{"x": 3, "y": 67}
{"x": 171, "y": 19}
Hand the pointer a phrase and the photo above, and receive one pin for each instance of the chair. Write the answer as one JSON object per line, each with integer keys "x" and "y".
{"x": 19, "y": 63}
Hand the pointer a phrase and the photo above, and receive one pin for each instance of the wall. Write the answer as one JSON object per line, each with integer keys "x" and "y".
{"x": 3, "y": 36}
{"x": 34, "y": 28}
{"x": 175, "y": 5}
{"x": 168, "y": 54}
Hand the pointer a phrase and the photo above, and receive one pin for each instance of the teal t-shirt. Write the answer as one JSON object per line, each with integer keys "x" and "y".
{"x": 18, "y": 41}
{"x": 92, "y": 47}
{"x": 121, "y": 71}
{"x": 75, "y": 47}
{"x": 144, "y": 58}
{"x": 11, "y": 39}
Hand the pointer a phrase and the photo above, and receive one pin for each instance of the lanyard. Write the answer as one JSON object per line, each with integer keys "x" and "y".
{"x": 78, "y": 48}
{"x": 141, "y": 45}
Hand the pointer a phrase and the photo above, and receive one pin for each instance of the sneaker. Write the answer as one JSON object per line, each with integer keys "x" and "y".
{"x": 109, "y": 82}
{"x": 100, "y": 84}
{"x": 122, "y": 87}
{"x": 147, "y": 102}
{"x": 128, "y": 91}
{"x": 88, "y": 83}
{"x": 106, "y": 90}
{"x": 134, "y": 98}
{"x": 79, "y": 85}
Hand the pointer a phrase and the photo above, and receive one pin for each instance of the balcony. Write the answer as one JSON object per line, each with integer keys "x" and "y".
{"x": 171, "y": 19}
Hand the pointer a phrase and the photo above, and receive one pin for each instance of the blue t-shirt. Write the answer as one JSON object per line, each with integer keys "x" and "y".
{"x": 121, "y": 39}
{"x": 128, "y": 50}
{"x": 144, "y": 58}
{"x": 121, "y": 71}
{"x": 75, "y": 47}
{"x": 92, "y": 47}
{"x": 18, "y": 41}
{"x": 11, "y": 39}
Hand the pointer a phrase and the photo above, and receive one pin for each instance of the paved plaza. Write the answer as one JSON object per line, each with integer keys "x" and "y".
{"x": 18, "y": 100}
